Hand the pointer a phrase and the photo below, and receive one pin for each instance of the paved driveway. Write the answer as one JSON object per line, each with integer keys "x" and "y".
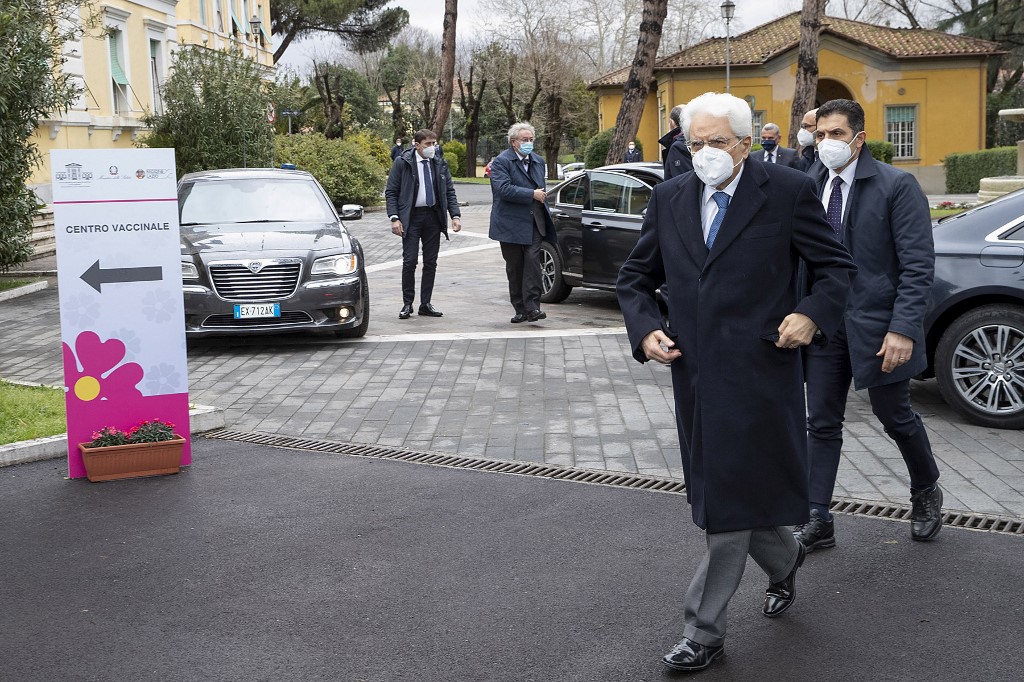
{"x": 562, "y": 391}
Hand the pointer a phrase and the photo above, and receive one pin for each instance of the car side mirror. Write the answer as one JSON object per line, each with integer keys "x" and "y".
{"x": 351, "y": 212}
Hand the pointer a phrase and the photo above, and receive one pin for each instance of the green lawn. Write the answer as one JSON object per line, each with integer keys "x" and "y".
{"x": 943, "y": 212}
{"x": 472, "y": 181}
{"x": 28, "y": 412}
{"x": 6, "y": 284}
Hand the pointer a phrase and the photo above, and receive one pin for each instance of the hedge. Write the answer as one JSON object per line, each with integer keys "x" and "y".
{"x": 881, "y": 150}
{"x": 347, "y": 169}
{"x": 455, "y": 155}
{"x": 597, "y": 148}
{"x": 965, "y": 171}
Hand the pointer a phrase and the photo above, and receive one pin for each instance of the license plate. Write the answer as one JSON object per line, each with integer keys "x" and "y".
{"x": 257, "y": 310}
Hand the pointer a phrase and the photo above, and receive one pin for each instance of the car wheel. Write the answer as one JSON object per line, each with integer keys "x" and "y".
{"x": 553, "y": 288}
{"x": 360, "y": 330}
{"x": 979, "y": 364}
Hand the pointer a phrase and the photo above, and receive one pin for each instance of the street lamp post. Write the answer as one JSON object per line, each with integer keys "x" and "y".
{"x": 728, "y": 12}
{"x": 254, "y": 25}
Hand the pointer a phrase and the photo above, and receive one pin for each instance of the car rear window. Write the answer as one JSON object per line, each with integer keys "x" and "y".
{"x": 252, "y": 200}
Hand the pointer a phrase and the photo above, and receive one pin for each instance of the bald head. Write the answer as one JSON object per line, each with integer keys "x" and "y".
{"x": 810, "y": 118}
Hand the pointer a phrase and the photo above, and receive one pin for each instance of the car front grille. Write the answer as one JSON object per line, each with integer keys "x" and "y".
{"x": 276, "y": 279}
{"x": 229, "y": 321}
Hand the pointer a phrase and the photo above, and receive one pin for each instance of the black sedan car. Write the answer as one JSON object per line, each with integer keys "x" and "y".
{"x": 264, "y": 251}
{"x": 597, "y": 216}
{"x": 975, "y": 322}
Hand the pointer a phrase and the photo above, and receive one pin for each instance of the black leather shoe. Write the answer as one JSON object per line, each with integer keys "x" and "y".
{"x": 520, "y": 317}
{"x": 405, "y": 312}
{"x": 691, "y": 656}
{"x": 926, "y": 516}
{"x": 429, "y": 311}
{"x": 535, "y": 315}
{"x": 816, "y": 533}
{"x": 781, "y": 595}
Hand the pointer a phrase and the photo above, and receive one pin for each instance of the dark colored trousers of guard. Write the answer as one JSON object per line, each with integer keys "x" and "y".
{"x": 423, "y": 227}
{"x": 829, "y": 374}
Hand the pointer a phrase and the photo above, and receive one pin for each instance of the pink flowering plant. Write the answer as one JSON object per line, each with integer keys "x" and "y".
{"x": 149, "y": 431}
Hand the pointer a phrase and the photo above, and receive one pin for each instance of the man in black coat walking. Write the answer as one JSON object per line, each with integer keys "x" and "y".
{"x": 420, "y": 196}
{"x": 727, "y": 240}
{"x": 881, "y": 215}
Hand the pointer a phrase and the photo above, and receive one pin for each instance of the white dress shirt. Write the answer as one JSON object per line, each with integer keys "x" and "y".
{"x": 708, "y": 207}
{"x": 421, "y": 195}
{"x": 847, "y": 175}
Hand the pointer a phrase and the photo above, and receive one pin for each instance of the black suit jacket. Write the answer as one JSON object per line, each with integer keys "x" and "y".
{"x": 739, "y": 399}
{"x": 679, "y": 159}
{"x": 887, "y": 228}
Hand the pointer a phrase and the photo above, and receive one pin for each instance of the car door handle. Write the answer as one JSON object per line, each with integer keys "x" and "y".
{"x": 595, "y": 224}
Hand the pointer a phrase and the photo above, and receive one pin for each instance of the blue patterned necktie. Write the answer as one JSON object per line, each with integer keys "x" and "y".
{"x": 834, "y": 212}
{"x": 722, "y": 199}
{"x": 428, "y": 183}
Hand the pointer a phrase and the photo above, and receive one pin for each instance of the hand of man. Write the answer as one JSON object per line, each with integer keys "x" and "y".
{"x": 456, "y": 224}
{"x": 896, "y": 351}
{"x": 396, "y": 227}
{"x": 658, "y": 347}
{"x": 540, "y": 195}
{"x": 796, "y": 330}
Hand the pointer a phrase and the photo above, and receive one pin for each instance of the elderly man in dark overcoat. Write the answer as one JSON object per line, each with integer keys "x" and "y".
{"x": 727, "y": 240}
{"x": 520, "y": 219}
{"x": 881, "y": 215}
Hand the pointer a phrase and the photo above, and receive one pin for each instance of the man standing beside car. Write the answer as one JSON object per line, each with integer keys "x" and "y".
{"x": 520, "y": 220}
{"x": 882, "y": 216}
{"x": 418, "y": 195}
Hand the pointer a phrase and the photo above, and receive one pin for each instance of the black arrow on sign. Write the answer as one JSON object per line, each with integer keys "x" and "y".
{"x": 96, "y": 276}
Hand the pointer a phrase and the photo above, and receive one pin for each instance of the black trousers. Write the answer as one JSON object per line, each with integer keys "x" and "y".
{"x": 828, "y": 375}
{"x": 424, "y": 227}
{"x": 522, "y": 267}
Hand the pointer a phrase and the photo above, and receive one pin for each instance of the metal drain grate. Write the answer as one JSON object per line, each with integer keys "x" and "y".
{"x": 955, "y": 519}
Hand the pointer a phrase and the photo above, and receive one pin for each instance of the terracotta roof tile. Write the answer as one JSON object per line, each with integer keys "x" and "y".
{"x": 769, "y": 40}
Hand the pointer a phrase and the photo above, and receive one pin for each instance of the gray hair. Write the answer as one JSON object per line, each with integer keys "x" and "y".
{"x": 720, "y": 105}
{"x": 676, "y": 115}
{"x": 513, "y": 132}
{"x": 771, "y": 128}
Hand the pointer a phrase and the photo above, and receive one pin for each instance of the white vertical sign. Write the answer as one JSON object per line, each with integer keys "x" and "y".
{"x": 119, "y": 283}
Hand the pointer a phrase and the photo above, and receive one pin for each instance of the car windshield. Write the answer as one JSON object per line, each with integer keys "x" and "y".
{"x": 252, "y": 200}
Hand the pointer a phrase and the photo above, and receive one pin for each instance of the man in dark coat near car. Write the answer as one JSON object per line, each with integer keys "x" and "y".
{"x": 673, "y": 134}
{"x": 520, "y": 220}
{"x": 727, "y": 240}
{"x": 420, "y": 196}
{"x": 882, "y": 216}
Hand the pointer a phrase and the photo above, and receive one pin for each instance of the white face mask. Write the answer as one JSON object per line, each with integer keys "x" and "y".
{"x": 805, "y": 137}
{"x": 713, "y": 166}
{"x": 428, "y": 152}
{"x": 835, "y": 153}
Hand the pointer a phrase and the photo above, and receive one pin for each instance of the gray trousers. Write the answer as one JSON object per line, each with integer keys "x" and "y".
{"x": 718, "y": 576}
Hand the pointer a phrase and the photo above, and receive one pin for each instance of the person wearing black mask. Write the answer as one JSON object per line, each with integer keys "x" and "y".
{"x": 773, "y": 153}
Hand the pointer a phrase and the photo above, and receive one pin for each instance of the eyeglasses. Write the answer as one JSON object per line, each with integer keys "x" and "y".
{"x": 717, "y": 142}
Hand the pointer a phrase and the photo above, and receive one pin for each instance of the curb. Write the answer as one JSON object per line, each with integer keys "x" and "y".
{"x": 24, "y": 291}
{"x": 201, "y": 418}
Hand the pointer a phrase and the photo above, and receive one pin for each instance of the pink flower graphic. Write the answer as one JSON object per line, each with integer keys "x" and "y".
{"x": 98, "y": 380}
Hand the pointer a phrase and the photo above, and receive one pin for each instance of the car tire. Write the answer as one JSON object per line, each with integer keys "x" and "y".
{"x": 974, "y": 375}
{"x": 364, "y": 324}
{"x": 553, "y": 288}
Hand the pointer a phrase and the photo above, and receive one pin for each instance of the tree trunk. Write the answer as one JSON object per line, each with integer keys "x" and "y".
{"x": 634, "y": 93}
{"x": 446, "y": 77}
{"x": 532, "y": 102}
{"x": 285, "y": 42}
{"x": 806, "y": 65}
{"x": 553, "y": 135}
{"x": 471, "y": 102}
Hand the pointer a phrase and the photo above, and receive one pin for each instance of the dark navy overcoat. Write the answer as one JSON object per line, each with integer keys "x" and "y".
{"x": 739, "y": 400}
{"x": 512, "y": 198}
{"x": 887, "y": 228}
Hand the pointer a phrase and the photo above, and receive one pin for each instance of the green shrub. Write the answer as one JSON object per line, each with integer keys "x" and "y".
{"x": 348, "y": 171}
{"x": 373, "y": 145}
{"x": 597, "y": 148}
{"x": 881, "y": 150}
{"x": 455, "y": 155}
{"x": 965, "y": 171}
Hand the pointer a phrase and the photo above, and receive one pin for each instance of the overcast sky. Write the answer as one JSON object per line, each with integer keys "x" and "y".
{"x": 429, "y": 15}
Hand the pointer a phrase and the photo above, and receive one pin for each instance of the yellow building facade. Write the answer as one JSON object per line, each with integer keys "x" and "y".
{"x": 123, "y": 58}
{"x": 924, "y": 91}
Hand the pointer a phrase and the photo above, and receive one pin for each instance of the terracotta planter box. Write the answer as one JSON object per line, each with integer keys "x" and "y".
{"x": 132, "y": 461}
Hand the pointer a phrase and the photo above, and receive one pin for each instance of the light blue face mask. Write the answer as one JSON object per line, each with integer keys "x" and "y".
{"x": 526, "y": 148}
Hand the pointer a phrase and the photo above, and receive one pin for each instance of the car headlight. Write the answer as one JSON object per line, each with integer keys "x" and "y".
{"x": 189, "y": 271}
{"x": 345, "y": 264}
